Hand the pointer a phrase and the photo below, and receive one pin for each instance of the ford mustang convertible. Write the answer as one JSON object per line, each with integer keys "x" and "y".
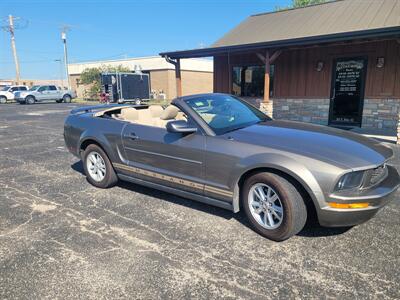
{"x": 220, "y": 150}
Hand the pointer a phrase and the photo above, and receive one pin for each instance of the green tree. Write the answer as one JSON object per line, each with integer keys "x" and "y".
{"x": 92, "y": 77}
{"x": 301, "y": 3}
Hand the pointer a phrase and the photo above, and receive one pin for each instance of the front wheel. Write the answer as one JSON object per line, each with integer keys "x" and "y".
{"x": 30, "y": 100}
{"x": 3, "y": 100}
{"x": 273, "y": 206}
{"x": 98, "y": 168}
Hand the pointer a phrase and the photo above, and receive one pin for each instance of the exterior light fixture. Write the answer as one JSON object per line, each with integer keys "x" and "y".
{"x": 380, "y": 62}
{"x": 319, "y": 66}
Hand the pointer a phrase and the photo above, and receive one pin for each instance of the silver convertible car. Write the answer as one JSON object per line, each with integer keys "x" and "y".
{"x": 218, "y": 149}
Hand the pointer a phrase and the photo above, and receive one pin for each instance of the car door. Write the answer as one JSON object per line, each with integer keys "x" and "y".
{"x": 42, "y": 93}
{"x": 171, "y": 159}
{"x": 54, "y": 93}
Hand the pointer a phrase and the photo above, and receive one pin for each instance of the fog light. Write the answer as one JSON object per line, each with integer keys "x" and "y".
{"x": 348, "y": 205}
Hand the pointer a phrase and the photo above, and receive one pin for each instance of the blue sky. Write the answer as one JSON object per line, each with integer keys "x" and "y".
{"x": 114, "y": 29}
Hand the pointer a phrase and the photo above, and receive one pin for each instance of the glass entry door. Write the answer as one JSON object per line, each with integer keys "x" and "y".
{"x": 347, "y": 92}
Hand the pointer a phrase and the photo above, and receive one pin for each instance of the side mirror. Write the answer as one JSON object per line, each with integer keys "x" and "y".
{"x": 180, "y": 126}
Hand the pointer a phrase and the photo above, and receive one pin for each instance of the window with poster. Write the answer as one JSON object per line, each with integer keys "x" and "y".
{"x": 248, "y": 81}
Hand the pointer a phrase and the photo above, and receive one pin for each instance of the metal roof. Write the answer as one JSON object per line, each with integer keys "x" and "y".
{"x": 335, "y": 20}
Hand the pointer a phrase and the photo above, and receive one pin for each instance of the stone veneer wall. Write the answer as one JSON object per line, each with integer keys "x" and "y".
{"x": 381, "y": 114}
{"x": 304, "y": 110}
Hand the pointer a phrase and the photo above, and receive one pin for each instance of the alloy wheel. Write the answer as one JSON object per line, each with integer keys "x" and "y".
{"x": 96, "y": 166}
{"x": 265, "y": 206}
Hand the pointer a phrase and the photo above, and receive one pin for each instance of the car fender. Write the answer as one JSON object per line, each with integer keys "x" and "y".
{"x": 100, "y": 139}
{"x": 282, "y": 163}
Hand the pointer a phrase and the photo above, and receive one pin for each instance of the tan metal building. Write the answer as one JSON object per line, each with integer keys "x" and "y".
{"x": 32, "y": 82}
{"x": 197, "y": 74}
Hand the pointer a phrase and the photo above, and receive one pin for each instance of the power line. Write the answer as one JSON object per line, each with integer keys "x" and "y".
{"x": 27, "y": 61}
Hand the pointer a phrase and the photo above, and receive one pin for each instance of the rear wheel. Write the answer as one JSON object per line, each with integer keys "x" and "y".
{"x": 3, "y": 100}
{"x": 67, "y": 98}
{"x": 98, "y": 168}
{"x": 30, "y": 100}
{"x": 273, "y": 206}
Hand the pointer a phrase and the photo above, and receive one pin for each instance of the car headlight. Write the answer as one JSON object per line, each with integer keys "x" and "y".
{"x": 350, "y": 181}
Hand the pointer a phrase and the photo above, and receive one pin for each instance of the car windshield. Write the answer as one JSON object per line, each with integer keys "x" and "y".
{"x": 224, "y": 113}
{"x": 34, "y": 88}
{"x": 5, "y": 88}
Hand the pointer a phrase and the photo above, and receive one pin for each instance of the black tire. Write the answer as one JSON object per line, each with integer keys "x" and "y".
{"x": 110, "y": 178}
{"x": 30, "y": 100}
{"x": 59, "y": 101}
{"x": 294, "y": 208}
{"x": 3, "y": 100}
{"x": 67, "y": 98}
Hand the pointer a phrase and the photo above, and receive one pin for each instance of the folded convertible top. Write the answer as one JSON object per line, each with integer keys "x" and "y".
{"x": 101, "y": 108}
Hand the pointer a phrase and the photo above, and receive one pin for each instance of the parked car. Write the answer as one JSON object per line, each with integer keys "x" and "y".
{"x": 220, "y": 150}
{"x": 38, "y": 93}
{"x": 7, "y": 92}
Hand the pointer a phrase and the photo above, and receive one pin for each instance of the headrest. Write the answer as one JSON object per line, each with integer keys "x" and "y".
{"x": 156, "y": 110}
{"x": 129, "y": 113}
{"x": 169, "y": 113}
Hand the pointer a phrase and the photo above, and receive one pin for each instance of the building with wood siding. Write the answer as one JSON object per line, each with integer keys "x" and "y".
{"x": 336, "y": 63}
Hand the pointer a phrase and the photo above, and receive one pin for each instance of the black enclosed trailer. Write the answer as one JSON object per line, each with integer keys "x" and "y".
{"x": 126, "y": 87}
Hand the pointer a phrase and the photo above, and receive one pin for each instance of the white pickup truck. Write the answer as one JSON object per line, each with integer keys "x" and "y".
{"x": 7, "y": 92}
{"x": 39, "y": 93}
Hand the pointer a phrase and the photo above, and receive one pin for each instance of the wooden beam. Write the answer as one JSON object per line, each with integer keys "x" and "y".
{"x": 267, "y": 77}
{"x": 261, "y": 57}
{"x": 274, "y": 56}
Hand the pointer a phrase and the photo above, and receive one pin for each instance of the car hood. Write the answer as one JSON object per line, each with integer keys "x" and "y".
{"x": 340, "y": 147}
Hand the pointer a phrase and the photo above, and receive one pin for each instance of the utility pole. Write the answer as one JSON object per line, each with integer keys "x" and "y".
{"x": 61, "y": 72}
{"x": 64, "y": 39}
{"x": 11, "y": 29}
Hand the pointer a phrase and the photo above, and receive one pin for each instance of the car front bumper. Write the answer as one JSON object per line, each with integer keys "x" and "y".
{"x": 377, "y": 197}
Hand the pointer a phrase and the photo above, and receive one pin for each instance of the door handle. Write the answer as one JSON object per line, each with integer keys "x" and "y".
{"x": 131, "y": 136}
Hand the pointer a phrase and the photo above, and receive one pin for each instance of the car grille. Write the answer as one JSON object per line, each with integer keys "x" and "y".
{"x": 375, "y": 176}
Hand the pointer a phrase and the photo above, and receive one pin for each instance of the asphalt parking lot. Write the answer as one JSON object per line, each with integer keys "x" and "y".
{"x": 62, "y": 238}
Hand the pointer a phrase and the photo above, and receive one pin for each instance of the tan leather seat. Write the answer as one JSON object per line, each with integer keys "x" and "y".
{"x": 155, "y": 115}
{"x": 129, "y": 114}
{"x": 169, "y": 114}
{"x": 156, "y": 110}
{"x": 181, "y": 116}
